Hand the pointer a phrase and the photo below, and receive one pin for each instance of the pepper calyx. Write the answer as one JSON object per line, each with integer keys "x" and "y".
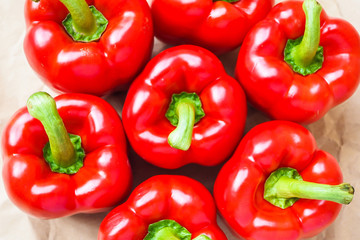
{"x": 313, "y": 67}
{"x": 184, "y": 111}
{"x": 76, "y": 165}
{"x": 270, "y": 192}
{"x": 184, "y": 97}
{"x": 304, "y": 54}
{"x": 168, "y": 229}
{"x": 100, "y": 26}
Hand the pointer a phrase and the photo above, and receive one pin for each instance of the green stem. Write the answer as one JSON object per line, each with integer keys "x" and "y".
{"x": 305, "y": 52}
{"x": 170, "y": 230}
{"x": 166, "y": 234}
{"x": 181, "y": 137}
{"x": 43, "y": 107}
{"x": 292, "y": 188}
{"x": 285, "y": 186}
{"x": 83, "y": 19}
{"x": 167, "y": 230}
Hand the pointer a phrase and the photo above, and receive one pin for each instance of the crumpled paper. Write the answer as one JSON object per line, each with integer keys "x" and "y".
{"x": 337, "y": 133}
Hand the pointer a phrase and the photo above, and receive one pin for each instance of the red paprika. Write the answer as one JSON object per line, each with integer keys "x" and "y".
{"x": 93, "y": 50}
{"x": 183, "y": 108}
{"x": 297, "y": 65}
{"x": 48, "y": 173}
{"x": 279, "y": 185}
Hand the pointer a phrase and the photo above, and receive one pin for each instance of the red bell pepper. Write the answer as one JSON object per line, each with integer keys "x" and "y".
{"x": 279, "y": 161}
{"x": 48, "y": 173}
{"x": 183, "y": 108}
{"x": 164, "y": 207}
{"x": 219, "y": 26}
{"x": 299, "y": 80}
{"x": 92, "y": 50}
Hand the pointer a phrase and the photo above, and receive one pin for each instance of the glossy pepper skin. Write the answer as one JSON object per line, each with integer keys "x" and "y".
{"x": 274, "y": 88}
{"x": 219, "y": 26}
{"x": 160, "y": 197}
{"x": 175, "y": 70}
{"x": 100, "y": 184}
{"x": 97, "y": 67}
{"x": 239, "y": 187}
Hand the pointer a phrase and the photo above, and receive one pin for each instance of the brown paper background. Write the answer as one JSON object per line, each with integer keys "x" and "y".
{"x": 338, "y": 133}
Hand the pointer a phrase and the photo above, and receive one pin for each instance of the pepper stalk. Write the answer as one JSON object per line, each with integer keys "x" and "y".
{"x": 170, "y": 230}
{"x": 285, "y": 186}
{"x": 63, "y": 152}
{"x": 304, "y": 54}
{"x": 184, "y": 111}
